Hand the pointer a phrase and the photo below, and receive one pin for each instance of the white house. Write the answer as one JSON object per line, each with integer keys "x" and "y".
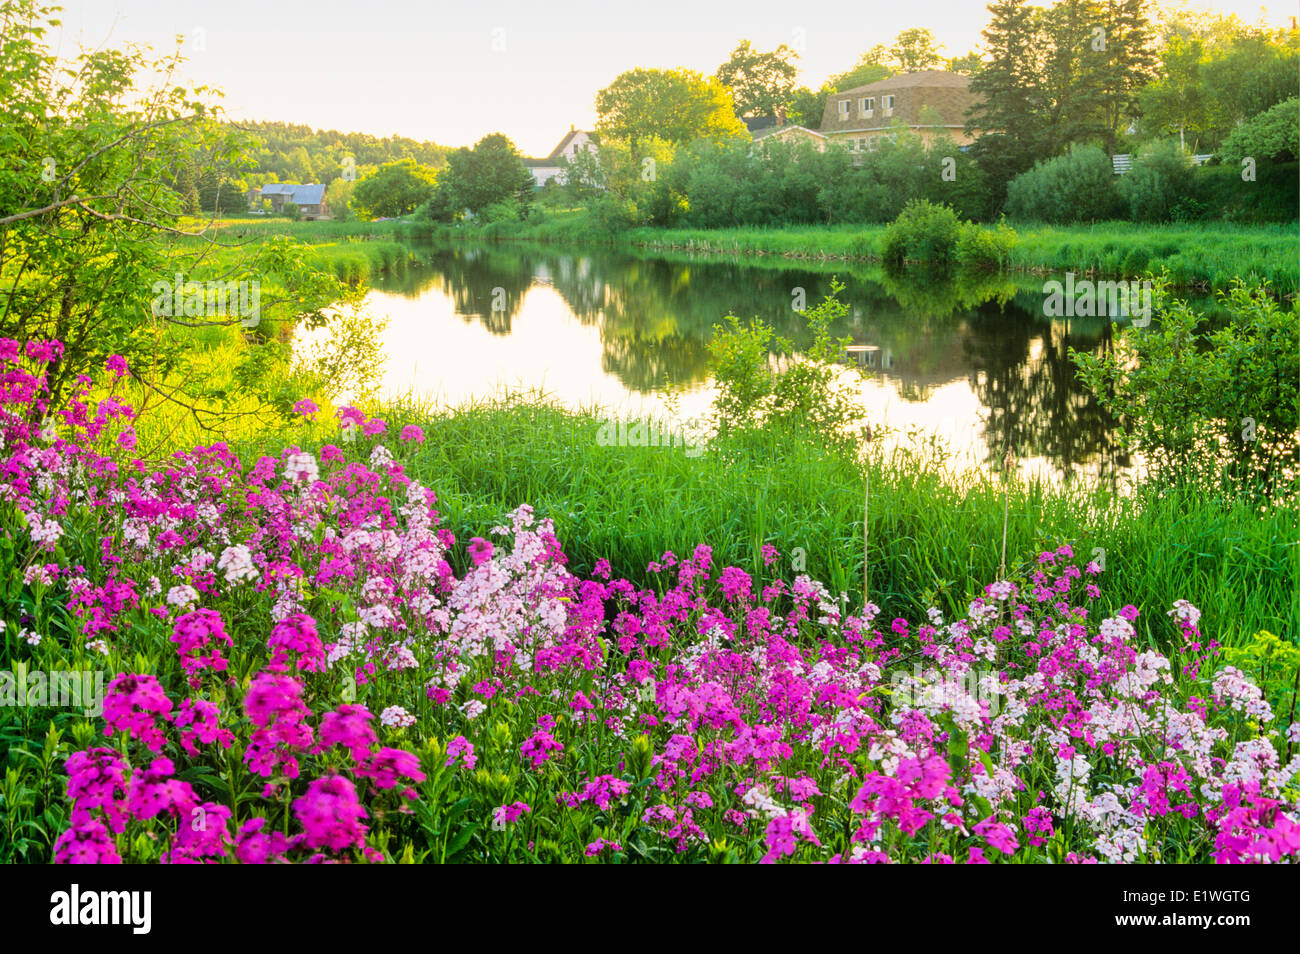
{"x": 544, "y": 170}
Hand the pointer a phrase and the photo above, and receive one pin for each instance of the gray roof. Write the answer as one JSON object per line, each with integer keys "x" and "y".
{"x": 313, "y": 194}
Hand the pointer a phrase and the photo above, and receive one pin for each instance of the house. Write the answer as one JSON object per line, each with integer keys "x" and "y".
{"x": 791, "y": 134}
{"x": 931, "y": 103}
{"x": 310, "y": 199}
{"x": 544, "y": 170}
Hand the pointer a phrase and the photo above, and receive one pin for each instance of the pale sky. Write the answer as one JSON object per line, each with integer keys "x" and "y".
{"x": 454, "y": 72}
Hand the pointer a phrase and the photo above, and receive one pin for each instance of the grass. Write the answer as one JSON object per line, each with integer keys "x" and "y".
{"x": 931, "y": 529}
{"x": 1206, "y": 257}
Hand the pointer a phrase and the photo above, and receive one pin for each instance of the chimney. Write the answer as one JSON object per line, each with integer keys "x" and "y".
{"x": 780, "y": 116}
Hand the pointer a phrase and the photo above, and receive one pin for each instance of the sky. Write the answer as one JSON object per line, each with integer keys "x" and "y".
{"x": 454, "y": 72}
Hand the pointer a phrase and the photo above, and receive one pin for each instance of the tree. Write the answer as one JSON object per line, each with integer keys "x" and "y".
{"x": 760, "y": 83}
{"x": 1072, "y": 78}
{"x": 395, "y": 188}
{"x": 338, "y": 196}
{"x": 869, "y": 69}
{"x": 970, "y": 64}
{"x": 490, "y": 173}
{"x": 90, "y": 225}
{"x": 1129, "y": 65}
{"x": 678, "y": 106}
{"x": 1174, "y": 101}
{"x": 915, "y": 50}
{"x": 1274, "y": 134}
{"x": 807, "y": 107}
{"x": 1008, "y": 114}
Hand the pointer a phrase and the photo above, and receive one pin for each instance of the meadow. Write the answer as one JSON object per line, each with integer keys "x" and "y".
{"x": 314, "y": 655}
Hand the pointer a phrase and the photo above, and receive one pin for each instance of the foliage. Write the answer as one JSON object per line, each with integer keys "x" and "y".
{"x": 93, "y": 235}
{"x": 492, "y": 172}
{"x": 676, "y": 106}
{"x": 1273, "y": 134}
{"x": 1208, "y": 407}
{"x": 394, "y": 189}
{"x": 1159, "y": 180}
{"x": 760, "y": 83}
{"x": 1076, "y": 187}
{"x": 809, "y": 394}
{"x": 923, "y": 232}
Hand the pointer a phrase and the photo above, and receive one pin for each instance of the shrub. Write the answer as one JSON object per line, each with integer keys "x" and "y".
{"x": 1160, "y": 179}
{"x": 1208, "y": 407}
{"x": 923, "y": 232}
{"x": 806, "y": 396}
{"x": 1076, "y": 187}
{"x": 980, "y": 247}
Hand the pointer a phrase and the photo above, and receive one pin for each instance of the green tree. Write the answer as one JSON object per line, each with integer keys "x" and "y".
{"x": 338, "y": 196}
{"x": 808, "y": 107}
{"x": 1204, "y": 406}
{"x": 869, "y": 69}
{"x": 915, "y": 50}
{"x": 970, "y": 64}
{"x": 1072, "y": 77}
{"x": 1273, "y": 134}
{"x": 1130, "y": 61}
{"x": 490, "y": 173}
{"x": 1175, "y": 100}
{"x": 760, "y": 83}
{"x": 677, "y": 106}
{"x": 1009, "y": 114}
{"x": 90, "y": 224}
{"x": 395, "y": 188}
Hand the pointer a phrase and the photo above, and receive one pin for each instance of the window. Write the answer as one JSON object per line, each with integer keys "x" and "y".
{"x": 862, "y": 145}
{"x": 867, "y": 107}
{"x": 888, "y": 103}
{"x": 844, "y": 109}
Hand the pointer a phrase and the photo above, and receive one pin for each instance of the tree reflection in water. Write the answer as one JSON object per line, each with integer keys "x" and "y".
{"x": 921, "y": 334}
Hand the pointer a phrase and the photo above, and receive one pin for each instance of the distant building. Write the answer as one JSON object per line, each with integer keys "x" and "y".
{"x": 931, "y": 103}
{"x": 310, "y": 198}
{"x": 544, "y": 170}
{"x": 791, "y": 134}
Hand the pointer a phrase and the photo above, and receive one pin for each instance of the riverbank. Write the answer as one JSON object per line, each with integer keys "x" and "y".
{"x": 1196, "y": 257}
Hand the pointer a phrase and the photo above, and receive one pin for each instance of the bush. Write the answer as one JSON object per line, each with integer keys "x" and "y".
{"x": 979, "y": 247}
{"x": 1160, "y": 179}
{"x": 291, "y": 211}
{"x": 1209, "y": 409}
{"x": 923, "y": 232}
{"x": 1076, "y": 187}
{"x": 808, "y": 396}
{"x": 1273, "y": 134}
{"x": 1221, "y": 192}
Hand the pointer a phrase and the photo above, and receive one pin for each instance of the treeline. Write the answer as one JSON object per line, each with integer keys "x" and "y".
{"x": 292, "y": 152}
{"x": 721, "y": 185}
{"x": 1062, "y": 89}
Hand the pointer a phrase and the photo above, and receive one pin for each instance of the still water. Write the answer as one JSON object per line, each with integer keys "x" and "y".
{"x": 979, "y": 367}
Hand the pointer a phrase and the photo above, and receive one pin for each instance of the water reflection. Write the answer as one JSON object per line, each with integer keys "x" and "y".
{"x": 971, "y": 359}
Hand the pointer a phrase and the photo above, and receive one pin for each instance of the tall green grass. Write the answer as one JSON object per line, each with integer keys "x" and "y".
{"x": 1205, "y": 257}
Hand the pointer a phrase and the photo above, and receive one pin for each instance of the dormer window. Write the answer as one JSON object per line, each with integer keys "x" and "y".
{"x": 844, "y": 109}
{"x": 867, "y": 107}
{"x": 888, "y": 103}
